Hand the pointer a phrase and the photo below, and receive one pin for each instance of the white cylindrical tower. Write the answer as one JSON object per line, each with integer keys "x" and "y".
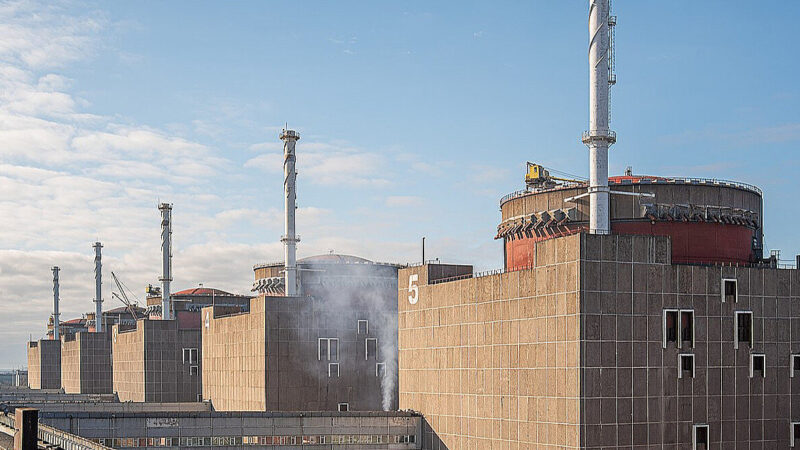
{"x": 56, "y": 315}
{"x": 290, "y": 239}
{"x": 166, "y": 260}
{"x": 98, "y": 288}
{"x": 599, "y": 136}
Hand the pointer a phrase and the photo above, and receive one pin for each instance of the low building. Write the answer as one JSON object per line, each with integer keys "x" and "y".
{"x": 331, "y": 348}
{"x": 186, "y": 304}
{"x": 86, "y": 363}
{"x": 158, "y": 361}
{"x": 44, "y": 364}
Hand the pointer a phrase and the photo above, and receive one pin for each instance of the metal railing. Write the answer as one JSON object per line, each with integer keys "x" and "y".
{"x": 54, "y": 436}
{"x": 647, "y": 179}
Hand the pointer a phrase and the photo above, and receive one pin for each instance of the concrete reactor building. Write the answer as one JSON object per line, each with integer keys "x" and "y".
{"x": 320, "y": 336}
{"x": 633, "y": 312}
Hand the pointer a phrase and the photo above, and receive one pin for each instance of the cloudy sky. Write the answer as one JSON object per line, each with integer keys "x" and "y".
{"x": 415, "y": 118}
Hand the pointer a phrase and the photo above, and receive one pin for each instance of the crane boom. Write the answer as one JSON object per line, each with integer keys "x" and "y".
{"x": 124, "y": 298}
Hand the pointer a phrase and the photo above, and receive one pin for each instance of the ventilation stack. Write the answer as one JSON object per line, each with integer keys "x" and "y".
{"x": 166, "y": 260}
{"x": 290, "y": 239}
{"x": 98, "y": 288}
{"x": 599, "y": 137}
{"x": 56, "y": 315}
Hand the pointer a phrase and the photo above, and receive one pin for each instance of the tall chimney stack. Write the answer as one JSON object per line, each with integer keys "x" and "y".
{"x": 166, "y": 259}
{"x": 599, "y": 137}
{"x": 290, "y": 239}
{"x": 98, "y": 288}
{"x": 56, "y": 315}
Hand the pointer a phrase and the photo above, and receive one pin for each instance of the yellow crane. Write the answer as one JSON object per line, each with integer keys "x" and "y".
{"x": 539, "y": 176}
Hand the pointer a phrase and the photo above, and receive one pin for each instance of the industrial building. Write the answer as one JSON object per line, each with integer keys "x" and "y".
{"x": 632, "y": 312}
{"x": 320, "y": 336}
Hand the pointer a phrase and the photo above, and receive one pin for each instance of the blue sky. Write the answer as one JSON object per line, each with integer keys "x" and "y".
{"x": 416, "y": 117}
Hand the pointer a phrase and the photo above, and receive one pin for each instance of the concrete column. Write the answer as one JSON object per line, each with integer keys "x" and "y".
{"x": 26, "y": 421}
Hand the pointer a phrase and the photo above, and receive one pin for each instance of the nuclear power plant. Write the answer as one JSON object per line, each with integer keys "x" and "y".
{"x": 632, "y": 311}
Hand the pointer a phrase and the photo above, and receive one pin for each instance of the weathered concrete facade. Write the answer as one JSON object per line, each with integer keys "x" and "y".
{"x": 270, "y": 359}
{"x": 333, "y": 346}
{"x": 584, "y": 351}
{"x": 157, "y": 362}
{"x": 44, "y": 364}
{"x": 86, "y": 363}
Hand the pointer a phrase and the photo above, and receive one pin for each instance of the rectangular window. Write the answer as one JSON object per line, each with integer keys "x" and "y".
{"x": 328, "y": 349}
{"x": 687, "y": 327}
{"x": 363, "y": 327}
{"x": 193, "y": 370}
{"x": 333, "y": 370}
{"x": 380, "y": 369}
{"x": 744, "y": 328}
{"x": 758, "y": 365}
{"x": 371, "y": 348}
{"x": 670, "y": 326}
{"x": 730, "y": 290}
{"x": 700, "y": 437}
{"x": 190, "y": 356}
{"x": 343, "y": 407}
{"x": 794, "y": 366}
{"x": 199, "y": 397}
{"x": 685, "y": 366}
{"x": 794, "y": 433}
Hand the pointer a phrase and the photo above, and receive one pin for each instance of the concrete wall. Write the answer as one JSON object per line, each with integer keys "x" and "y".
{"x": 254, "y": 430}
{"x": 631, "y": 394}
{"x": 234, "y": 359}
{"x": 44, "y": 364}
{"x": 268, "y": 359}
{"x": 86, "y": 364}
{"x": 149, "y": 366}
{"x": 493, "y": 362}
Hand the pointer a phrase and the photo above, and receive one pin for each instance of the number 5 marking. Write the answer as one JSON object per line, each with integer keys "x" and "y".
{"x": 413, "y": 289}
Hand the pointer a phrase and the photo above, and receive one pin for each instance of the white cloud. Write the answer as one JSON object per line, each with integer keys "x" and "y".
{"x": 328, "y": 164}
{"x": 403, "y": 201}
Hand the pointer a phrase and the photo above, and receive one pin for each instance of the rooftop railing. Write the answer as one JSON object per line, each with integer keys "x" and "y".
{"x": 643, "y": 179}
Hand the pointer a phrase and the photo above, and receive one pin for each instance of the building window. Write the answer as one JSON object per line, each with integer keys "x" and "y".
{"x": 794, "y": 366}
{"x": 744, "y": 328}
{"x": 363, "y": 327}
{"x": 328, "y": 349}
{"x": 343, "y": 407}
{"x": 700, "y": 437}
{"x": 199, "y": 397}
{"x": 670, "y": 326}
{"x": 685, "y": 366}
{"x": 193, "y": 370}
{"x": 678, "y": 327}
{"x": 794, "y": 433}
{"x": 371, "y": 348}
{"x": 380, "y": 369}
{"x": 333, "y": 370}
{"x": 758, "y": 365}
{"x": 687, "y": 327}
{"x": 190, "y": 356}
{"x": 730, "y": 290}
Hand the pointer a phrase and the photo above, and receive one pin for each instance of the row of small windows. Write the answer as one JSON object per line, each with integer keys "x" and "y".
{"x": 678, "y": 327}
{"x": 328, "y": 349}
{"x": 333, "y": 370}
{"x": 700, "y": 435}
{"x": 758, "y": 364}
{"x": 235, "y": 441}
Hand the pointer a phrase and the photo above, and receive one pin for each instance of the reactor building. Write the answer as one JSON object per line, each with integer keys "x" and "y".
{"x": 632, "y": 312}
{"x": 321, "y": 334}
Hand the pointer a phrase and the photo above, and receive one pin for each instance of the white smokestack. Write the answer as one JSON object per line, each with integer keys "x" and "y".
{"x": 56, "y": 315}
{"x": 166, "y": 259}
{"x": 599, "y": 137}
{"x": 98, "y": 288}
{"x": 290, "y": 239}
